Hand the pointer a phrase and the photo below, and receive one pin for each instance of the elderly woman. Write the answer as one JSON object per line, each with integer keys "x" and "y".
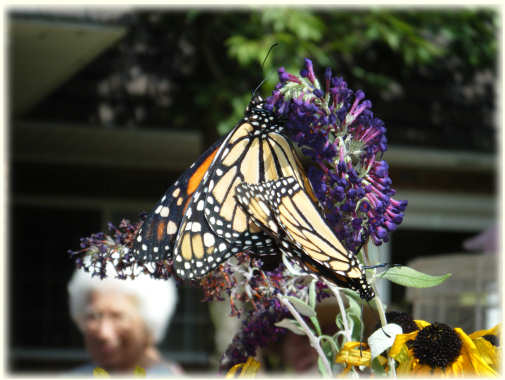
{"x": 122, "y": 320}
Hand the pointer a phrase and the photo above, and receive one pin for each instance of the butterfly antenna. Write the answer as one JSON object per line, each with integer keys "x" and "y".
{"x": 383, "y": 265}
{"x": 262, "y": 66}
{"x": 268, "y": 53}
{"x": 359, "y": 248}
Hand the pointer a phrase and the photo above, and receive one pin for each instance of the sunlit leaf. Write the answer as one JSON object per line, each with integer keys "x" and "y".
{"x": 312, "y": 293}
{"x": 291, "y": 325}
{"x": 353, "y": 314}
{"x": 302, "y": 307}
{"x": 409, "y": 277}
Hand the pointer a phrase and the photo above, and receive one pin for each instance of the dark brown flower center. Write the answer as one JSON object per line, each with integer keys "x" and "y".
{"x": 493, "y": 339}
{"x": 437, "y": 345}
{"x": 403, "y": 319}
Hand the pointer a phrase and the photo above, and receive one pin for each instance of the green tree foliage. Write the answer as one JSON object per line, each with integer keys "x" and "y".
{"x": 429, "y": 72}
{"x": 379, "y": 49}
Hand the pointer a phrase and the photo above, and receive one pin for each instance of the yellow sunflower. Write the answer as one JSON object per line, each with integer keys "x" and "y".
{"x": 438, "y": 349}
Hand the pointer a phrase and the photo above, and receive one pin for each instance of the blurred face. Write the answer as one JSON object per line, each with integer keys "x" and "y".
{"x": 114, "y": 332}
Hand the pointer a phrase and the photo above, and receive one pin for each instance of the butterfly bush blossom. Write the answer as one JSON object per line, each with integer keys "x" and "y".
{"x": 254, "y": 297}
{"x": 337, "y": 129}
{"x": 100, "y": 248}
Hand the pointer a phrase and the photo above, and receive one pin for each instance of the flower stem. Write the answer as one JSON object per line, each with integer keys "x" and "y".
{"x": 347, "y": 330}
{"x": 380, "y": 311}
{"x": 382, "y": 317}
{"x": 312, "y": 338}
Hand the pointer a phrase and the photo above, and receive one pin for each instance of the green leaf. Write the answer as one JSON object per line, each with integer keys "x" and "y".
{"x": 322, "y": 368}
{"x": 354, "y": 302}
{"x": 393, "y": 39}
{"x": 377, "y": 367}
{"x": 403, "y": 356}
{"x": 300, "y": 23}
{"x": 312, "y": 293}
{"x": 302, "y": 307}
{"x": 291, "y": 325}
{"x": 353, "y": 313}
{"x": 409, "y": 277}
{"x": 243, "y": 49}
{"x": 315, "y": 323}
{"x": 331, "y": 342}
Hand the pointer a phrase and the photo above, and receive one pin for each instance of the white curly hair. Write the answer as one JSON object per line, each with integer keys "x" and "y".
{"x": 157, "y": 299}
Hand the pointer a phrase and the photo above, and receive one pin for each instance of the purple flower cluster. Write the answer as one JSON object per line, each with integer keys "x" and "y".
{"x": 242, "y": 281}
{"x": 338, "y": 131}
{"x": 100, "y": 248}
{"x": 258, "y": 330}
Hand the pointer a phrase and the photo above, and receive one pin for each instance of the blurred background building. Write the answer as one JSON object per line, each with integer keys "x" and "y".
{"x": 108, "y": 106}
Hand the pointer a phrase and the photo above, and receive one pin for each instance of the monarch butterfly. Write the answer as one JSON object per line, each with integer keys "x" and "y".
{"x": 200, "y": 222}
{"x": 181, "y": 205}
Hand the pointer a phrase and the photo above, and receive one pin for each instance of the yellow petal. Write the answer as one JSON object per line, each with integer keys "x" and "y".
{"x": 492, "y": 331}
{"x": 400, "y": 341}
{"x": 100, "y": 372}
{"x": 487, "y": 351}
{"x": 353, "y": 345}
{"x": 472, "y": 361}
{"x": 351, "y": 354}
{"x": 382, "y": 360}
{"x": 406, "y": 361}
{"x": 248, "y": 369}
{"x": 231, "y": 373}
{"x": 421, "y": 324}
{"x": 139, "y": 371}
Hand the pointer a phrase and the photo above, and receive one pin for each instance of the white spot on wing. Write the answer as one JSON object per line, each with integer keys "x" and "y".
{"x": 199, "y": 206}
{"x": 208, "y": 239}
{"x": 171, "y": 228}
